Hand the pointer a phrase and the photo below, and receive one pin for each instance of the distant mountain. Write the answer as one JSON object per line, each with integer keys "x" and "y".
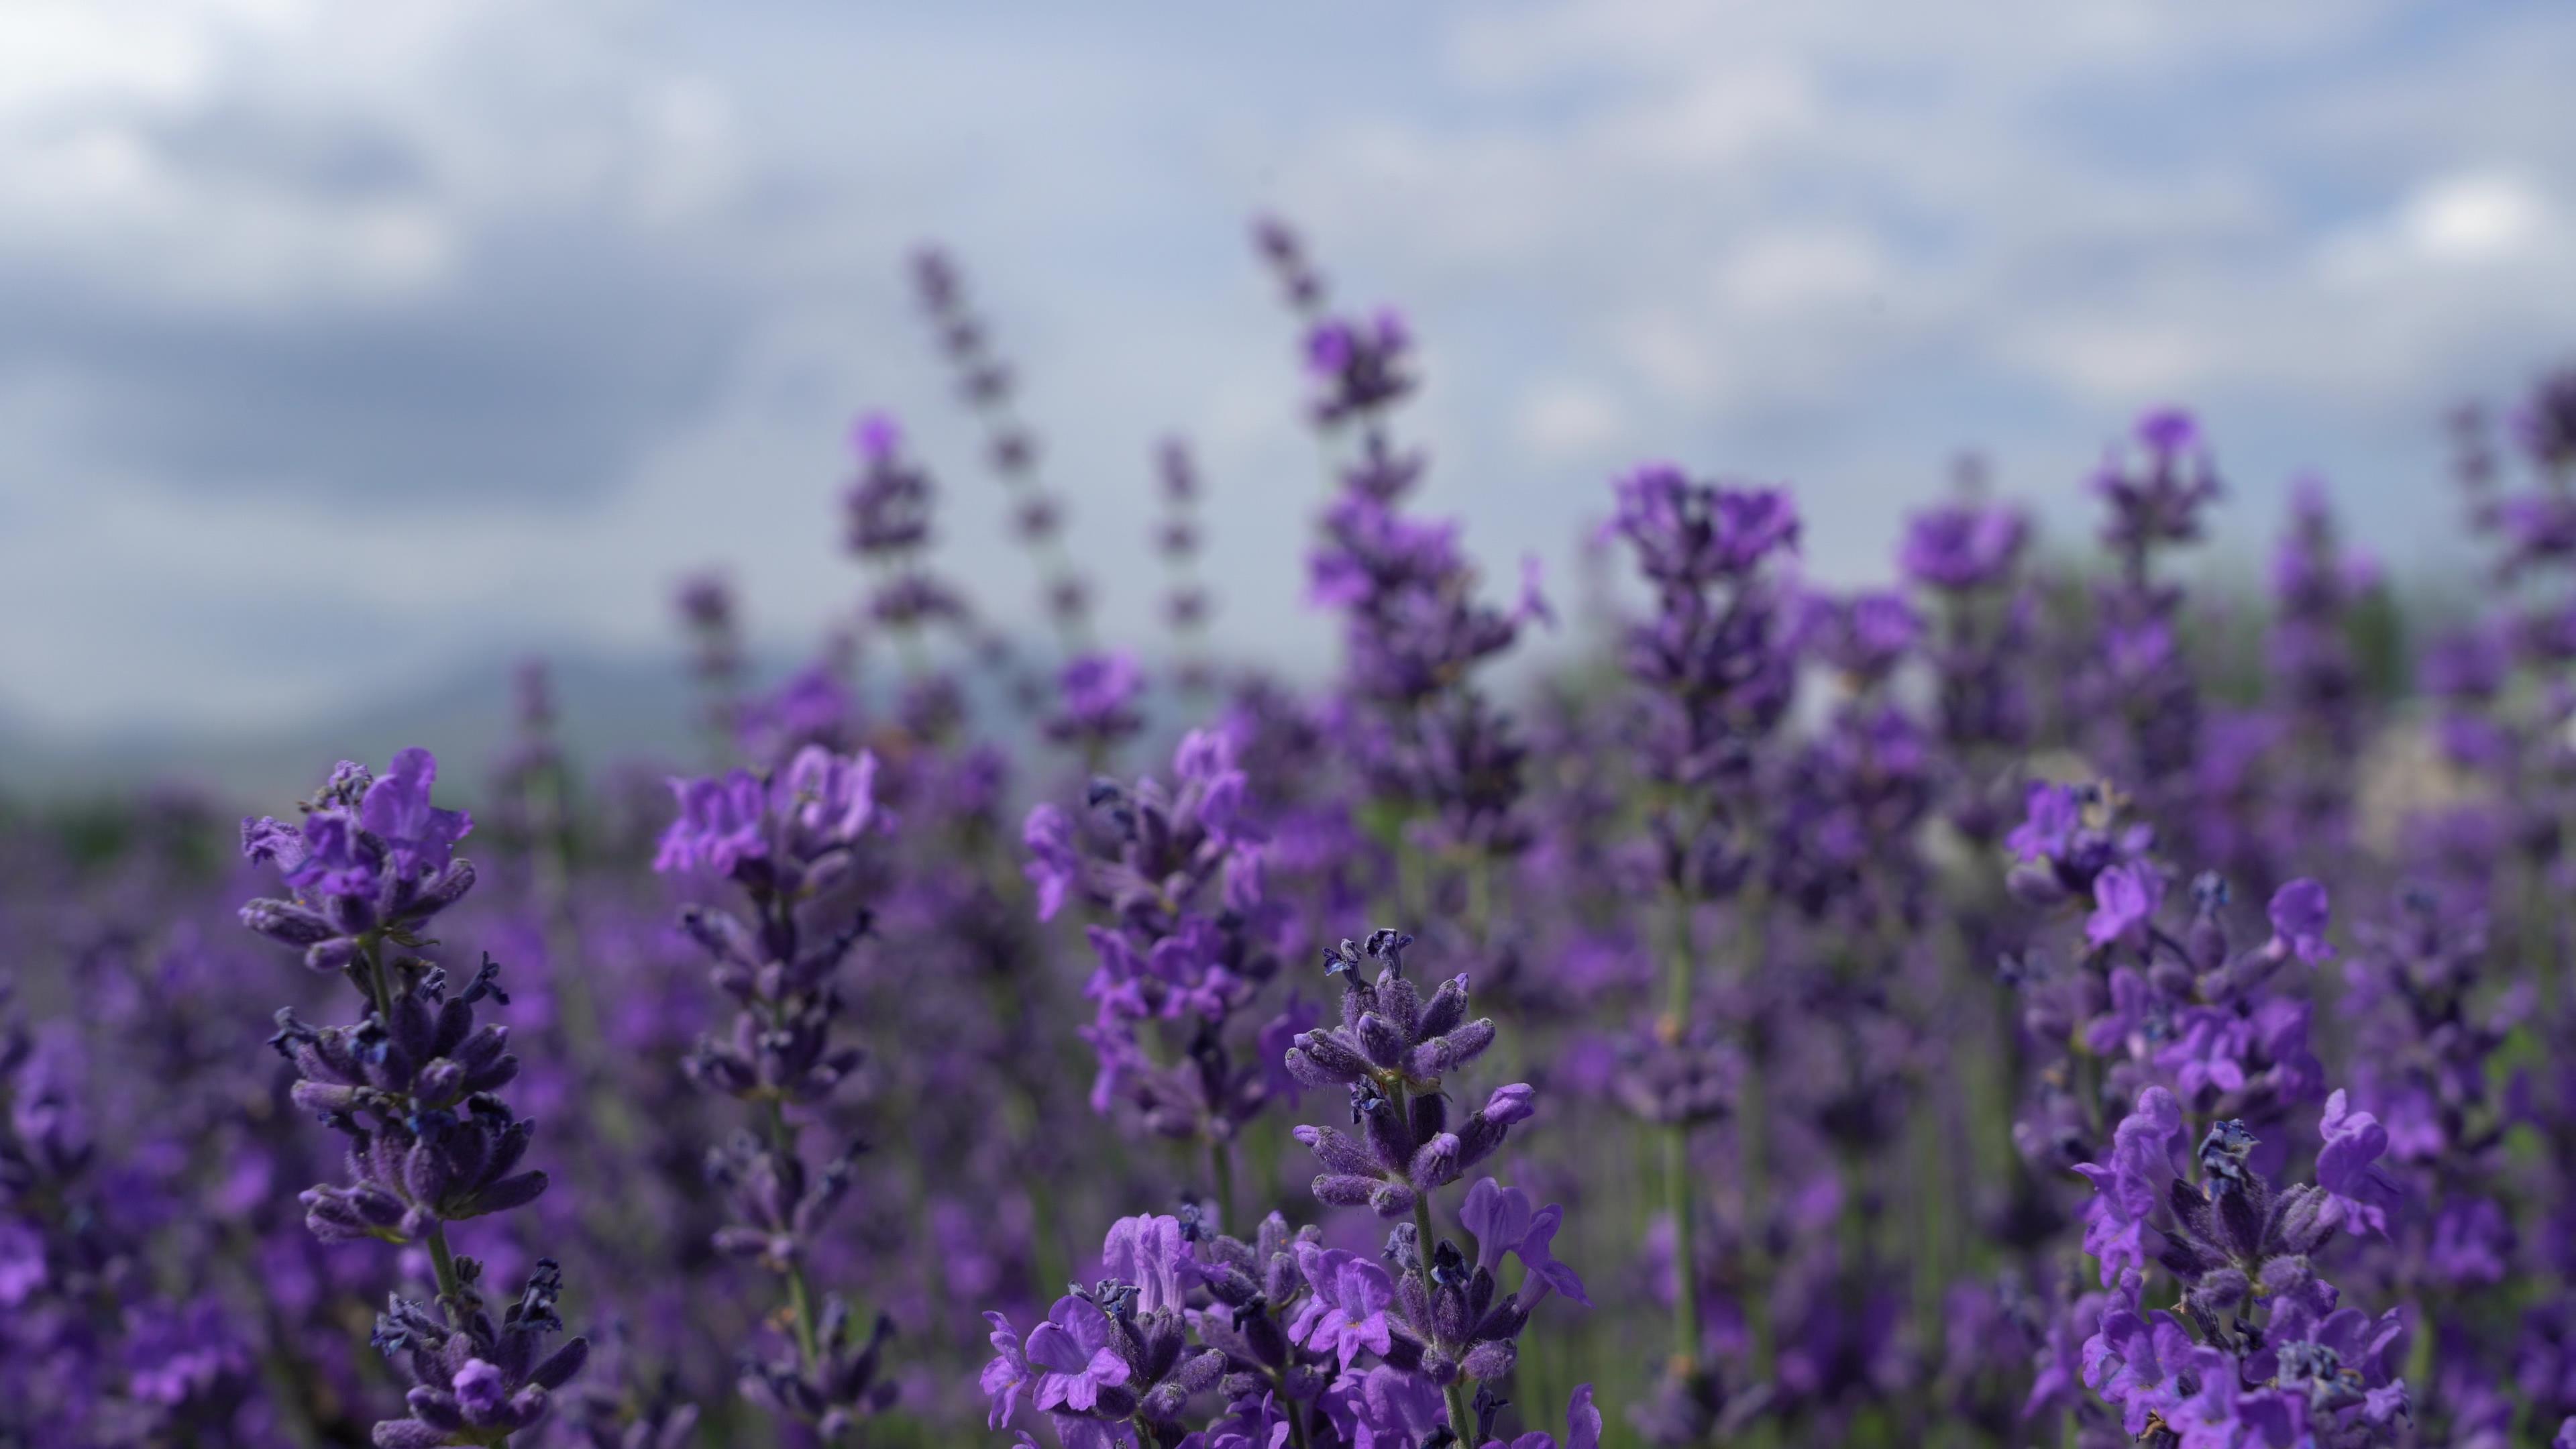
{"x": 606, "y": 709}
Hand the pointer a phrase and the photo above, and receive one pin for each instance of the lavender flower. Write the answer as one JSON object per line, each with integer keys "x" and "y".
{"x": 413, "y": 1086}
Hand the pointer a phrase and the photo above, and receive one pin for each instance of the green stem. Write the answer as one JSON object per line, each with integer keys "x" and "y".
{"x": 1677, "y": 1190}
{"x": 442, "y": 1262}
{"x": 371, "y": 980}
{"x": 800, "y": 1296}
{"x": 1221, "y": 1166}
{"x": 1753, "y": 1147}
{"x": 1480, "y": 898}
{"x": 1681, "y": 979}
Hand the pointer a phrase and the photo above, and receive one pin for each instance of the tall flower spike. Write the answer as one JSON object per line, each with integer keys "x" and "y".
{"x": 791, "y": 842}
{"x": 414, "y": 1086}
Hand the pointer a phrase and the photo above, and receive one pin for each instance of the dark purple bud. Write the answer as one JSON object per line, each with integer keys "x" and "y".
{"x": 1391, "y": 1199}
{"x": 1337, "y": 1151}
{"x": 286, "y": 922}
{"x": 1510, "y": 1104}
{"x": 1382, "y": 1041}
{"x": 561, "y": 1365}
{"x": 1350, "y": 1190}
{"x": 1329, "y": 1058}
{"x": 1490, "y": 1360}
{"x": 1447, "y": 1008}
{"x": 1436, "y": 1163}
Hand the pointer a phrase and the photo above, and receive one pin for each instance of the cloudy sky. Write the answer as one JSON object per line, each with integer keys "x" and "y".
{"x": 344, "y": 347}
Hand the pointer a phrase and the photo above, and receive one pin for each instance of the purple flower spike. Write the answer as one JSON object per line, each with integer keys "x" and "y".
{"x": 1962, "y": 547}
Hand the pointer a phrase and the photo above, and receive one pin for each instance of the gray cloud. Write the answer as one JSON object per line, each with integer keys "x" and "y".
{"x": 534, "y": 309}
{"x": 549, "y": 365}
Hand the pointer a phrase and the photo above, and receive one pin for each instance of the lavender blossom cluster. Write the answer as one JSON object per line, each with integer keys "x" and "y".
{"x": 2026, "y": 1002}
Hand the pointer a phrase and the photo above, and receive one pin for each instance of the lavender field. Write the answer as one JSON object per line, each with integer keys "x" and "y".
{"x": 1981, "y": 1008}
{"x": 1487, "y": 724}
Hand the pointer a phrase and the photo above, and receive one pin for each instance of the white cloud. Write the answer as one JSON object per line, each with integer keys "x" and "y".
{"x": 2474, "y": 218}
{"x": 1565, "y": 418}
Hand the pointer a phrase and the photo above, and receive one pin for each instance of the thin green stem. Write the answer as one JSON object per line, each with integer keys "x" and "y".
{"x": 1681, "y": 981}
{"x": 442, "y": 1262}
{"x": 370, "y": 974}
{"x": 1221, "y": 1167}
{"x": 800, "y": 1296}
{"x": 1677, "y": 1199}
{"x": 1753, "y": 1147}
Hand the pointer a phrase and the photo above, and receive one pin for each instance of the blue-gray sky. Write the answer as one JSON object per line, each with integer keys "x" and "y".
{"x": 347, "y": 345}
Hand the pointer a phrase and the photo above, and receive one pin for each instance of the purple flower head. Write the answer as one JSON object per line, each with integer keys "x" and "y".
{"x": 1544, "y": 1270}
{"x": 2160, "y": 500}
{"x": 1582, "y": 1427}
{"x": 1962, "y": 546}
{"x": 2055, "y": 814}
{"x": 887, "y": 508}
{"x": 2298, "y": 913}
{"x": 1075, "y": 1356}
{"x": 706, "y": 601}
{"x": 1865, "y": 636}
{"x": 1691, "y": 535}
{"x": 1360, "y": 364}
{"x": 1347, "y": 1313}
{"x": 474, "y": 1381}
{"x": 2466, "y": 665}
{"x": 1501, "y": 1219}
{"x": 1150, "y": 1253}
{"x": 2358, "y": 1190}
{"x": 876, "y": 436}
{"x": 22, "y": 1262}
{"x": 2168, "y": 432}
{"x": 1054, "y": 867}
{"x": 830, "y": 798}
{"x": 2136, "y": 1363}
{"x": 1007, "y": 1376}
{"x": 2545, "y": 424}
{"x": 1510, "y": 1104}
{"x": 1096, "y": 699}
{"x": 372, "y": 854}
{"x": 2126, "y": 1192}
{"x": 2125, "y": 900}
{"x": 478, "y": 1388}
{"x": 1383, "y": 1405}
{"x": 420, "y": 838}
{"x": 719, "y": 827}
{"x": 796, "y": 826}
